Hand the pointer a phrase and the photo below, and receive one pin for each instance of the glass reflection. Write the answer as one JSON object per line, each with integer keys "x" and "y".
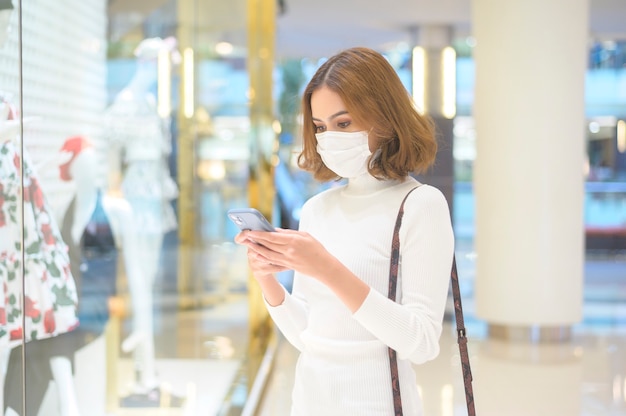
{"x": 113, "y": 322}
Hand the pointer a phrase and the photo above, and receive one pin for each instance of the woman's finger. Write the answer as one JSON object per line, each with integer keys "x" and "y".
{"x": 240, "y": 238}
{"x": 274, "y": 238}
{"x": 260, "y": 264}
{"x": 266, "y": 247}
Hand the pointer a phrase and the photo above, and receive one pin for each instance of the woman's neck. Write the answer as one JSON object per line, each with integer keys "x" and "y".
{"x": 144, "y": 78}
{"x": 366, "y": 184}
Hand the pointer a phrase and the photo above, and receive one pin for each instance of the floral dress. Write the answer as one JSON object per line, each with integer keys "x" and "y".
{"x": 50, "y": 299}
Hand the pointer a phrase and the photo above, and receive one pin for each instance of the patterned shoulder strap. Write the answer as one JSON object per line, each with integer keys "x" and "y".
{"x": 458, "y": 312}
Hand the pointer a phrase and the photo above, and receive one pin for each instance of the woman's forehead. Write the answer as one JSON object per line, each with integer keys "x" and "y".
{"x": 326, "y": 104}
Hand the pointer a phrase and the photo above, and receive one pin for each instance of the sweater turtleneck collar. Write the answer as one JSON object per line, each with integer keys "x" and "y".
{"x": 367, "y": 184}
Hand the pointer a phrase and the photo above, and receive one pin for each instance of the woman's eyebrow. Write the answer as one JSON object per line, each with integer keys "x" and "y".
{"x": 337, "y": 114}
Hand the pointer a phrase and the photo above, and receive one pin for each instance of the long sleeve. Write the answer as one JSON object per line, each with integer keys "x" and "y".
{"x": 413, "y": 325}
{"x": 291, "y": 316}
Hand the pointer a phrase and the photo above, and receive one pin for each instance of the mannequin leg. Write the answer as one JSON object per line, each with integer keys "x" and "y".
{"x": 64, "y": 378}
{"x": 141, "y": 341}
{"x": 141, "y": 253}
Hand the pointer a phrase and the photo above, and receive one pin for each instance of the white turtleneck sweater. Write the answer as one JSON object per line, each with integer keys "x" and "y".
{"x": 343, "y": 368}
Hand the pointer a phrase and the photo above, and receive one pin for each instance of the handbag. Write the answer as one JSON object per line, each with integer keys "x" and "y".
{"x": 458, "y": 313}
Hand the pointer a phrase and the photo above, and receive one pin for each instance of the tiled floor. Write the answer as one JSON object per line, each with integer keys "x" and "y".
{"x": 200, "y": 351}
{"x": 583, "y": 377}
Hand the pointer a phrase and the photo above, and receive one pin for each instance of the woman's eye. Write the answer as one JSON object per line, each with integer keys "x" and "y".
{"x": 343, "y": 124}
{"x": 319, "y": 129}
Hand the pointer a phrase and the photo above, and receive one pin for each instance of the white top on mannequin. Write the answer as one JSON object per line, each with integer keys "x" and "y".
{"x": 144, "y": 79}
{"x": 133, "y": 121}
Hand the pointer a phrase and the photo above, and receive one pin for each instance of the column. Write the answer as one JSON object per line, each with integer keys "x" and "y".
{"x": 434, "y": 92}
{"x": 528, "y": 176}
{"x": 263, "y": 148}
{"x": 186, "y": 275}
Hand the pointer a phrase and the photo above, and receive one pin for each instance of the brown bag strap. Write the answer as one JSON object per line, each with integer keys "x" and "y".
{"x": 458, "y": 312}
{"x": 462, "y": 341}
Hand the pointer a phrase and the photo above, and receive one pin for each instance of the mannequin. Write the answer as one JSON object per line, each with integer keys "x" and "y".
{"x": 81, "y": 169}
{"x": 140, "y": 145}
{"x": 79, "y": 162}
{"x": 97, "y": 285}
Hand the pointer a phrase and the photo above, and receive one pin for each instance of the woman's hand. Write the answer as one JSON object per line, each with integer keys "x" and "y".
{"x": 269, "y": 252}
{"x": 263, "y": 271}
{"x": 286, "y": 250}
{"x": 260, "y": 266}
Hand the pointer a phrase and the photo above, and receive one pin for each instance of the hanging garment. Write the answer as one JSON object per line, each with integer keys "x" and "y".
{"x": 49, "y": 300}
{"x": 93, "y": 263}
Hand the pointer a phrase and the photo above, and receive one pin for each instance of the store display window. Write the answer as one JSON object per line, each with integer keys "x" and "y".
{"x": 123, "y": 146}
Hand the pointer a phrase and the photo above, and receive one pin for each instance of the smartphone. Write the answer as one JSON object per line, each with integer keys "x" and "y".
{"x": 249, "y": 219}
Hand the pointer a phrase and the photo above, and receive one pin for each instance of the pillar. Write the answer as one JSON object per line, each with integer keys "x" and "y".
{"x": 187, "y": 217}
{"x": 263, "y": 148}
{"x": 434, "y": 93}
{"x": 528, "y": 174}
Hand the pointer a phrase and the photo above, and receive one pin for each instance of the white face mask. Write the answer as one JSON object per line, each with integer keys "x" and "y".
{"x": 345, "y": 153}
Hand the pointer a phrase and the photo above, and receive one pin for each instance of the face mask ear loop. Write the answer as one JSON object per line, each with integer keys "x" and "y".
{"x": 374, "y": 158}
{"x": 376, "y": 153}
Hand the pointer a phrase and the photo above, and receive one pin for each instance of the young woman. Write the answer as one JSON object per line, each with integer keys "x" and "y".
{"x": 359, "y": 124}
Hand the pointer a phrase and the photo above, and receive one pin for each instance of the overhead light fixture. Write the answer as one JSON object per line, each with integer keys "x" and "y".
{"x": 621, "y": 136}
{"x": 448, "y": 78}
{"x": 224, "y": 48}
{"x": 188, "y": 83}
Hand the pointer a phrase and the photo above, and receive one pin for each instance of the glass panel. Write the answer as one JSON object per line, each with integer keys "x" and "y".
{"x": 17, "y": 179}
{"x": 135, "y": 144}
{"x": 63, "y": 71}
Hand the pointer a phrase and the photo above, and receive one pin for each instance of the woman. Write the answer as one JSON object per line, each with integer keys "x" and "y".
{"x": 359, "y": 124}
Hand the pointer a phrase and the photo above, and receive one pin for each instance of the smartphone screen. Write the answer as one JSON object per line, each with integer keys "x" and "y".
{"x": 249, "y": 219}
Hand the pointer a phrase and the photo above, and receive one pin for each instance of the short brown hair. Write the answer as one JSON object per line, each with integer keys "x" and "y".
{"x": 374, "y": 96}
